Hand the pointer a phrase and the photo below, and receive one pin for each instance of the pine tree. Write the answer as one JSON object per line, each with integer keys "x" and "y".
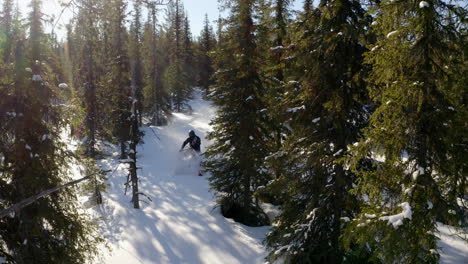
{"x": 235, "y": 159}
{"x": 136, "y": 60}
{"x": 6, "y": 35}
{"x": 273, "y": 44}
{"x": 323, "y": 105}
{"x": 188, "y": 53}
{"x": 280, "y": 21}
{"x": 207, "y": 45}
{"x": 176, "y": 76}
{"x": 118, "y": 73}
{"x": 416, "y": 130}
{"x": 36, "y": 160}
{"x": 84, "y": 43}
{"x": 86, "y": 77}
{"x": 157, "y": 99}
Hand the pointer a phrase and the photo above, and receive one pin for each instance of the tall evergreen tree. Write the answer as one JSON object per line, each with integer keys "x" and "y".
{"x": 176, "y": 75}
{"x": 118, "y": 73}
{"x": 273, "y": 44}
{"x": 136, "y": 60}
{"x": 188, "y": 53}
{"x": 235, "y": 159}
{"x": 51, "y": 230}
{"x": 6, "y": 30}
{"x": 157, "y": 99}
{"x": 207, "y": 45}
{"x": 86, "y": 78}
{"x": 82, "y": 55}
{"x": 279, "y": 38}
{"x": 323, "y": 104}
{"x": 417, "y": 130}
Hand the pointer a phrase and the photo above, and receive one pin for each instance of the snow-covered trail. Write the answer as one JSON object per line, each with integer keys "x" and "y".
{"x": 180, "y": 224}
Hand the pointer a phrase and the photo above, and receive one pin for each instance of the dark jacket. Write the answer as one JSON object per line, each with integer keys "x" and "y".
{"x": 194, "y": 143}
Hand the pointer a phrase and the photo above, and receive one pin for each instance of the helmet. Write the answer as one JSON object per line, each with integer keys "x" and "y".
{"x": 191, "y": 133}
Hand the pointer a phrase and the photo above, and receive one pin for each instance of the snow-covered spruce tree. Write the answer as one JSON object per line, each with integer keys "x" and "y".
{"x": 324, "y": 100}
{"x": 235, "y": 159}
{"x": 6, "y": 30}
{"x": 136, "y": 97}
{"x": 86, "y": 79}
{"x": 274, "y": 17}
{"x": 136, "y": 63}
{"x": 118, "y": 73}
{"x": 80, "y": 70}
{"x": 207, "y": 43}
{"x": 157, "y": 99}
{"x": 188, "y": 53}
{"x": 176, "y": 76}
{"x": 135, "y": 136}
{"x": 51, "y": 230}
{"x": 417, "y": 134}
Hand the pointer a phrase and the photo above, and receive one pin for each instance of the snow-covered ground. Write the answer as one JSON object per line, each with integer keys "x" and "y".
{"x": 452, "y": 248}
{"x": 180, "y": 224}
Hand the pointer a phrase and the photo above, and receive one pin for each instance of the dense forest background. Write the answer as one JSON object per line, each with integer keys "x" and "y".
{"x": 350, "y": 115}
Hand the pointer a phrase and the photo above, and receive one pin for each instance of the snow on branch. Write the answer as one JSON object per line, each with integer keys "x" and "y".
{"x": 397, "y": 220}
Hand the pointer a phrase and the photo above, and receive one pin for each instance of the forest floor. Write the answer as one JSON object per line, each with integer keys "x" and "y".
{"x": 181, "y": 223}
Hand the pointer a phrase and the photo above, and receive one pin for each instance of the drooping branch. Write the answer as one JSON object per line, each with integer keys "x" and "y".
{"x": 32, "y": 199}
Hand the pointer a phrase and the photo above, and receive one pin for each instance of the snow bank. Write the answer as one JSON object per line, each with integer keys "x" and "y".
{"x": 452, "y": 248}
{"x": 272, "y": 211}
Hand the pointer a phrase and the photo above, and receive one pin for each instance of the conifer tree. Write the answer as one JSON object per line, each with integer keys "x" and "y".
{"x": 157, "y": 100}
{"x": 86, "y": 78}
{"x": 85, "y": 72}
{"x": 6, "y": 29}
{"x": 235, "y": 159}
{"x": 280, "y": 21}
{"x": 136, "y": 60}
{"x": 188, "y": 54}
{"x": 323, "y": 105}
{"x": 134, "y": 135}
{"x": 207, "y": 45}
{"x": 118, "y": 76}
{"x": 176, "y": 76}
{"x": 273, "y": 44}
{"x": 416, "y": 130}
{"x": 51, "y": 230}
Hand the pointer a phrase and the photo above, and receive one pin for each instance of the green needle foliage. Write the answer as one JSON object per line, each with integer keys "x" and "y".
{"x": 33, "y": 159}
{"x": 235, "y": 159}
{"x": 324, "y": 110}
{"x": 207, "y": 44}
{"x": 417, "y": 136}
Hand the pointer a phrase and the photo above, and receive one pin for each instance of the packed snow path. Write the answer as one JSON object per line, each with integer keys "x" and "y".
{"x": 181, "y": 223}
